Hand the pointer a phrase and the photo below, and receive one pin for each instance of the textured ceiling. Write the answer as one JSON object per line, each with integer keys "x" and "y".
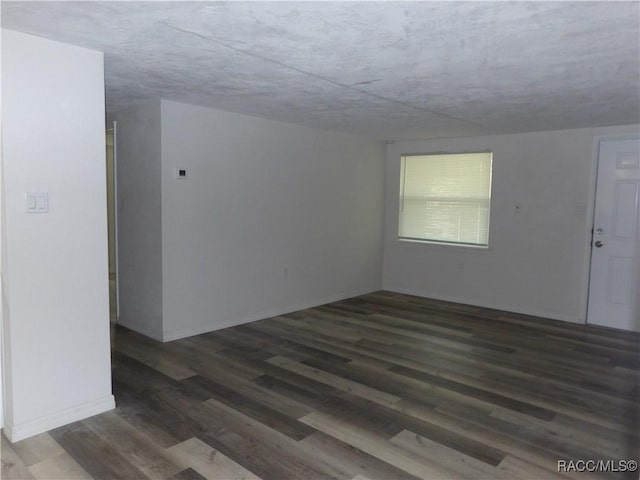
{"x": 384, "y": 69}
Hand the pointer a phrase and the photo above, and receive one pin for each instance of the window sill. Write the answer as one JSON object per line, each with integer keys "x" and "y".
{"x": 446, "y": 245}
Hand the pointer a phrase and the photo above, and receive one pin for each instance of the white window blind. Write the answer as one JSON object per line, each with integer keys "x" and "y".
{"x": 446, "y": 198}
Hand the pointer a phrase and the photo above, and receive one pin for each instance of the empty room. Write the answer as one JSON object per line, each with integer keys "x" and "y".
{"x": 320, "y": 240}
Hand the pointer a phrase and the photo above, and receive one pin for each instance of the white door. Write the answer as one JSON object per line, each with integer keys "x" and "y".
{"x": 614, "y": 288}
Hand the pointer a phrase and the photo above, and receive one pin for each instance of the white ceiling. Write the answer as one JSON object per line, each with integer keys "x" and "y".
{"x": 389, "y": 70}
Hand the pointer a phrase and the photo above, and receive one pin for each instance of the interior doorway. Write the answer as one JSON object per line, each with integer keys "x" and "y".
{"x": 614, "y": 283}
{"x": 112, "y": 223}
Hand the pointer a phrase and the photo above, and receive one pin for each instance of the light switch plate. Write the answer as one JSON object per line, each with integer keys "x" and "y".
{"x": 36, "y": 202}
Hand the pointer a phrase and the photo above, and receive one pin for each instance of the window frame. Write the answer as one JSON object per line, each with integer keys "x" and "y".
{"x": 467, "y": 246}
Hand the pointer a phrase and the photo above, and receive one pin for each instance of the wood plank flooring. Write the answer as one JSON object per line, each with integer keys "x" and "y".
{"x": 382, "y": 386}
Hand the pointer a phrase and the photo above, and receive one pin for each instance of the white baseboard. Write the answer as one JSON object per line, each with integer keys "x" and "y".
{"x": 136, "y": 328}
{"x": 232, "y": 322}
{"x": 494, "y": 306}
{"x": 30, "y": 428}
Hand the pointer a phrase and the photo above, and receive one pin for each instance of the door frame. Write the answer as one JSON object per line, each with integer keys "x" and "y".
{"x": 113, "y": 128}
{"x": 115, "y": 214}
{"x": 591, "y": 210}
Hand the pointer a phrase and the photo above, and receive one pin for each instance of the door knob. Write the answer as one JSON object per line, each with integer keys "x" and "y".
{"x": 599, "y": 244}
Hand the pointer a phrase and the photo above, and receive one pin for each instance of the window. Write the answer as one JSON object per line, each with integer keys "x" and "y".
{"x": 446, "y": 198}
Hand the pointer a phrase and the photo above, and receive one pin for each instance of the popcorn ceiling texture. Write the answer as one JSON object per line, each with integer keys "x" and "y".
{"x": 387, "y": 70}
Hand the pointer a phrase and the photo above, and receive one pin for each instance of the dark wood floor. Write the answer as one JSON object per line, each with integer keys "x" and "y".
{"x": 383, "y": 386}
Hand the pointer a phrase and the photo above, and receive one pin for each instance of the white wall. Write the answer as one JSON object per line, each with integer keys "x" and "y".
{"x": 538, "y": 260}
{"x": 56, "y": 323}
{"x": 261, "y": 197}
{"x": 140, "y": 218}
